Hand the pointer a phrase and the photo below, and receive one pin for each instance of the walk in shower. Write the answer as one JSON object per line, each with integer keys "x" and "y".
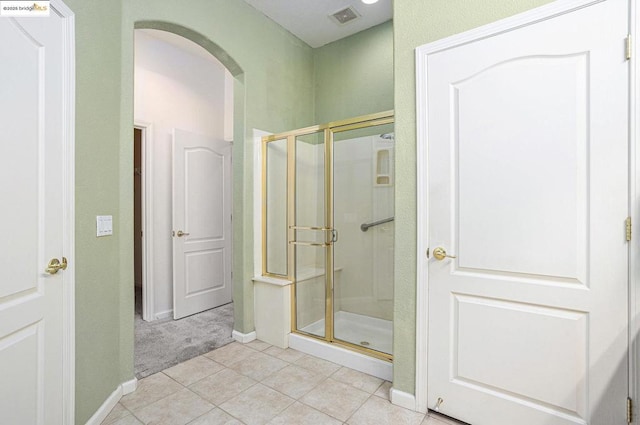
{"x": 328, "y": 226}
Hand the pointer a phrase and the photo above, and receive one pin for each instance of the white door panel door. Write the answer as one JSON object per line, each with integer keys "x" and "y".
{"x": 202, "y": 212}
{"x": 528, "y": 188}
{"x": 32, "y": 220}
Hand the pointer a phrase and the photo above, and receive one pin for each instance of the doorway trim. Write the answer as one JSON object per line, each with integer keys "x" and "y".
{"x": 68, "y": 197}
{"x": 422, "y": 53}
{"x": 148, "y": 306}
{"x": 634, "y": 207}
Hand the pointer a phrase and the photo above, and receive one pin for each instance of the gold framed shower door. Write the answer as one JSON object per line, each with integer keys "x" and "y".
{"x": 327, "y": 228}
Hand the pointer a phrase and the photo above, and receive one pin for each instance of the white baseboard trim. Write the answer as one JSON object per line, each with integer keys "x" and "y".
{"x": 129, "y": 386}
{"x": 111, "y": 401}
{"x": 402, "y": 399}
{"x": 243, "y": 338}
{"x": 164, "y": 315}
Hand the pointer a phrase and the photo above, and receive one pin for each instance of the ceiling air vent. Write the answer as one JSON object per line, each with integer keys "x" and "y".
{"x": 345, "y": 15}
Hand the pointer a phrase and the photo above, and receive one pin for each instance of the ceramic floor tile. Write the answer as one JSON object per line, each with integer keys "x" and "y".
{"x": 221, "y": 386}
{"x": 378, "y": 411}
{"x": 315, "y": 364}
{"x": 356, "y": 379}
{"x": 193, "y": 370}
{"x": 257, "y": 405}
{"x": 127, "y": 420}
{"x": 230, "y": 353}
{"x": 215, "y": 417}
{"x": 299, "y": 413}
{"x": 258, "y": 366}
{"x": 336, "y": 399}
{"x": 119, "y": 411}
{"x": 435, "y": 419}
{"x": 294, "y": 381}
{"x": 256, "y": 344}
{"x": 150, "y": 390}
{"x": 288, "y": 355}
{"x": 383, "y": 391}
{"x": 176, "y": 409}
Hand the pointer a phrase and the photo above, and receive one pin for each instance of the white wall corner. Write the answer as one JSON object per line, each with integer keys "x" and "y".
{"x": 103, "y": 411}
{"x": 402, "y": 399}
{"x": 243, "y": 338}
{"x": 129, "y": 386}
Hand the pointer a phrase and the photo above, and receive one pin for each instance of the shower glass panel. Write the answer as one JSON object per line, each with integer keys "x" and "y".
{"x": 275, "y": 208}
{"x": 310, "y": 234}
{"x": 363, "y": 205}
{"x": 328, "y": 227}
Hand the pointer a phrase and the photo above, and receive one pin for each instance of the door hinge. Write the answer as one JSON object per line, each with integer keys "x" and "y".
{"x": 628, "y": 226}
{"x": 629, "y": 410}
{"x": 628, "y": 47}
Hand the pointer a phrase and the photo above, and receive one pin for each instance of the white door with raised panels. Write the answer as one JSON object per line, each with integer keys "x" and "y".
{"x": 202, "y": 223}
{"x": 527, "y": 134}
{"x": 36, "y": 220}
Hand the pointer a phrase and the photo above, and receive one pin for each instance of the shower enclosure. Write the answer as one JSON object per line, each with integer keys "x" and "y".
{"x": 328, "y": 211}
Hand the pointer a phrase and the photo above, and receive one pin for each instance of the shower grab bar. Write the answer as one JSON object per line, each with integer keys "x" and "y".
{"x": 365, "y": 226}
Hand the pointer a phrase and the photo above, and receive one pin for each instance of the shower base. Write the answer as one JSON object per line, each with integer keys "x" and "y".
{"x": 368, "y": 332}
{"x": 354, "y": 328}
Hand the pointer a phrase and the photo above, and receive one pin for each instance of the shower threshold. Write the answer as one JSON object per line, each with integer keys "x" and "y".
{"x": 358, "y": 329}
{"x": 338, "y": 354}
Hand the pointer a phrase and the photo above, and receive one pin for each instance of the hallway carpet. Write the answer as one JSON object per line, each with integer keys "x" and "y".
{"x": 165, "y": 343}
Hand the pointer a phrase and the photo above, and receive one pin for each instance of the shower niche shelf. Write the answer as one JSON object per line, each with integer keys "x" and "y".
{"x": 382, "y": 167}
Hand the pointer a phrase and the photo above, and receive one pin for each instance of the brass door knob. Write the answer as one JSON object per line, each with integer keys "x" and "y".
{"x": 55, "y": 265}
{"x": 180, "y": 234}
{"x": 440, "y": 254}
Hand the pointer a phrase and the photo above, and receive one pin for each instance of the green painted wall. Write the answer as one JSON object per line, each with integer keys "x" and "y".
{"x": 281, "y": 84}
{"x": 417, "y": 22}
{"x": 276, "y": 73}
{"x": 354, "y": 76}
{"x": 274, "y": 92}
{"x": 103, "y": 356}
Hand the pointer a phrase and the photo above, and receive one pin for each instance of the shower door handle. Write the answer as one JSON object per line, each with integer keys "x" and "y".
{"x": 334, "y": 235}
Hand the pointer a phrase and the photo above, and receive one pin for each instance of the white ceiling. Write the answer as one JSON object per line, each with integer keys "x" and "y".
{"x": 309, "y": 19}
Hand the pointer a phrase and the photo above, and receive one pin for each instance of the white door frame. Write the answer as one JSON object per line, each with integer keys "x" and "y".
{"x": 146, "y": 151}
{"x": 555, "y": 8}
{"x": 68, "y": 199}
{"x": 634, "y": 206}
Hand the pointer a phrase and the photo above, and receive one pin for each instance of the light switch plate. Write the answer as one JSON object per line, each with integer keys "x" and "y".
{"x": 104, "y": 225}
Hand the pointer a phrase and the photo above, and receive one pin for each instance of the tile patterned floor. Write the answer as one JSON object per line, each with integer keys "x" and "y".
{"x": 257, "y": 383}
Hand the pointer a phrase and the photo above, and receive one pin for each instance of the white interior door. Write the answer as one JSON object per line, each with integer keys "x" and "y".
{"x": 201, "y": 222}
{"x": 528, "y": 188}
{"x": 34, "y": 222}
